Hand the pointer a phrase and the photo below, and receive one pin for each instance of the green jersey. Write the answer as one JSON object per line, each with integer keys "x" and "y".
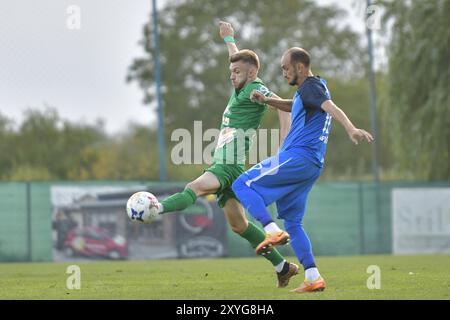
{"x": 241, "y": 118}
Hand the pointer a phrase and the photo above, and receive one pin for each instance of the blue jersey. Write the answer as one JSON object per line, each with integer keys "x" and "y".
{"x": 310, "y": 125}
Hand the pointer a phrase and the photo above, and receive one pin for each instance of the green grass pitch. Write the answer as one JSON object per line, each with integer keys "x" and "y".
{"x": 402, "y": 277}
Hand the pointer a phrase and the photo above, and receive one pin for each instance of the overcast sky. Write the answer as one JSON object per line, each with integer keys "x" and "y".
{"x": 82, "y": 72}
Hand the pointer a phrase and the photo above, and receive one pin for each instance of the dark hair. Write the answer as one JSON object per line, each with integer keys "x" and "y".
{"x": 247, "y": 56}
{"x": 299, "y": 55}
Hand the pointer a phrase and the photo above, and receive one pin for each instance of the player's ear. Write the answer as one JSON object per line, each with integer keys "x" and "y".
{"x": 252, "y": 72}
{"x": 299, "y": 67}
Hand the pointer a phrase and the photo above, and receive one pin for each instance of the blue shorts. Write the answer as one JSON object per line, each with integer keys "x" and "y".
{"x": 285, "y": 179}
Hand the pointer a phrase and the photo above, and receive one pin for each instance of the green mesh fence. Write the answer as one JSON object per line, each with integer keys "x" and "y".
{"x": 14, "y": 235}
{"x": 344, "y": 218}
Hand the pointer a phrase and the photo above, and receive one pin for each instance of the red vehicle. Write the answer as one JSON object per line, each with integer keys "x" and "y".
{"x": 95, "y": 242}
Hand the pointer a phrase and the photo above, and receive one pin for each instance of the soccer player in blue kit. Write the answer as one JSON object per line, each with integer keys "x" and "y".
{"x": 287, "y": 177}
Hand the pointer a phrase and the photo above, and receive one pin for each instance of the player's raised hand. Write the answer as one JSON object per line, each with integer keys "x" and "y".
{"x": 225, "y": 29}
{"x": 358, "y": 135}
{"x": 257, "y": 96}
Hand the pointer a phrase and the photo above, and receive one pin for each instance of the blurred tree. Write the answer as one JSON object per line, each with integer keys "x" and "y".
{"x": 6, "y": 144}
{"x": 195, "y": 60}
{"x": 128, "y": 157}
{"x": 418, "y": 113}
{"x": 45, "y": 147}
{"x": 29, "y": 173}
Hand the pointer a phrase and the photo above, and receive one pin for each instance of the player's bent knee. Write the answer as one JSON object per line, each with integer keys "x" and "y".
{"x": 190, "y": 185}
{"x": 194, "y": 187}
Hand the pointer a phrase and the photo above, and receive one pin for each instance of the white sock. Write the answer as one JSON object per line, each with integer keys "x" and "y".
{"x": 312, "y": 274}
{"x": 272, "y": 228}
{"x": 280, "y": 266}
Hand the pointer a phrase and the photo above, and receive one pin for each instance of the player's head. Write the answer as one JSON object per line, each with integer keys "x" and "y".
{"x": 295, "y": 64}
{"x": 244, "y": 66}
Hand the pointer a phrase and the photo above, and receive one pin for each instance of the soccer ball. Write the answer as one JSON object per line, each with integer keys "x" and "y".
{"x": 142, "y": 207}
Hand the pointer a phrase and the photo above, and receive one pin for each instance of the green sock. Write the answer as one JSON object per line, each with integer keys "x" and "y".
{"x": 179, "y": 201}
{"x": 255, "y": 236}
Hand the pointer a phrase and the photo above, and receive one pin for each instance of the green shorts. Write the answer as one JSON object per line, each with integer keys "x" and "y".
{"x": 227, "y": 174}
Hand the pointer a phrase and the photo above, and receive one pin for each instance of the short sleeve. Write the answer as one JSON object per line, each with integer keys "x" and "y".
{"x": 313, "y": 94}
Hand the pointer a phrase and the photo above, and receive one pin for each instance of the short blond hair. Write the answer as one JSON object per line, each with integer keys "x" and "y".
{"x": 247, "y": 56}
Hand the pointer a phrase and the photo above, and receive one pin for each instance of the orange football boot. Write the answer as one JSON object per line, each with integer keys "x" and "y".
{"x": 311, "y": 286}
{"x": 272, "y": 239}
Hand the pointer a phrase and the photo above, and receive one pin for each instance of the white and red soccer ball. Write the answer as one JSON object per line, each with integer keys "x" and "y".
{"x": 142, "y": 207}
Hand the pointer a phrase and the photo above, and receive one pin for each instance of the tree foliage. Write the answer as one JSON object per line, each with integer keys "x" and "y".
{"x": 46, "y": 147}
{"x": 418, "y": 115}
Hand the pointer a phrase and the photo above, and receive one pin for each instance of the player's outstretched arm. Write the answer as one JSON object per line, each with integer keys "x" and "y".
{"x": 354, "y": 133}
{"x": 274, "y": 101}
{"x": 226, "y": 32}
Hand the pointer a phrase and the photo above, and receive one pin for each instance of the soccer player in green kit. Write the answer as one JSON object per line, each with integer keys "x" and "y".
{"x": 240, "y": 115}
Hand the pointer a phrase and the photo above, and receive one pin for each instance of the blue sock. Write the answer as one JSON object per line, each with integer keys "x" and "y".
{"x": 252, "y": 202}
{"x": 300, "y": 243}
